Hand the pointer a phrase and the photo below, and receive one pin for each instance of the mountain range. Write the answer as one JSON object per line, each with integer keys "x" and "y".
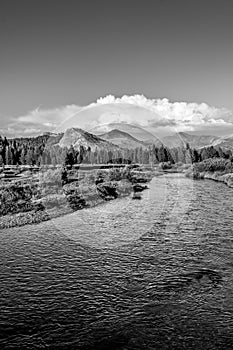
{"x": 224, "y": 142}
{"x": 198, "y": 141}
{"x": 119, "y": 133}
{"x": 195, "y": 141}
{"x": 122, "y": 135}
{"x": 96, "y": 117}
{"x": 134, "y": 130}
{"x": 122, "y": 139}
{"x": 77, "y": 137}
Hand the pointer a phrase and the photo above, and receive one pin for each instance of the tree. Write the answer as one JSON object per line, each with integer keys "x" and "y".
{"x": 145, "y": 156}
{"x": 9, "y": 156}
{"x": 162, "y": 154}
{"x": 29, "y": 157}
{"x": 1, "y": 161}
{"x": 64, "y": 175}
{"x": 140, "y": 155}
{"x": 135, "y": 156}
{"x": 71, "y": 157}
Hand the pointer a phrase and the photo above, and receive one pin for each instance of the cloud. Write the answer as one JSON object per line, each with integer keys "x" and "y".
{"x": 156, "y": 115}
{"x": 115, "y": 117}
{"x": 38, "y": 121}
{"x": 175, "y": 116}
{"x": 174, "y": 111}
{"x": 50, "y": 117}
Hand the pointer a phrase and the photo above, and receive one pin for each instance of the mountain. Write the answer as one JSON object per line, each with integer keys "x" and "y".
{"x": 102, "y": 118}
{"x": 78, "y": 137}
{"x": 46, "y": 138}
{"x": 135, "y": 131}
{"x": 122, "y": 139}
{"x": 195, "y": 141}
{"x": 225, "y": 142}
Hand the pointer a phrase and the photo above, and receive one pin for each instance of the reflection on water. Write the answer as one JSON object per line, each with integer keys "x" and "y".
{"x": 149, "y": 274}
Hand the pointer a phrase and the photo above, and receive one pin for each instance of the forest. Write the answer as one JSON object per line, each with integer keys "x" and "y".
{"x": 43, "y": 150}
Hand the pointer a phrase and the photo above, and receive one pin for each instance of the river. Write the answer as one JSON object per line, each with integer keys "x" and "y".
{"x": 155, "y": 273}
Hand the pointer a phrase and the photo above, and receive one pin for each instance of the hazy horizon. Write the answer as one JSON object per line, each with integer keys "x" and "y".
{"x": 160, "y": 117}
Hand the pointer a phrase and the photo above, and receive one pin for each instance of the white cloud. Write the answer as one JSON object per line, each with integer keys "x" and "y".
{"x": 165, "y": 108}
{"x": 155, "y": 115}
{"x": 53, "y": 116}
{"x": 179, "y": 116}
{"x": 39, "y": 120}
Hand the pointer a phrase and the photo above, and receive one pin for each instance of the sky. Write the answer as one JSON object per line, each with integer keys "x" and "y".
{"x": 59, "y": 56}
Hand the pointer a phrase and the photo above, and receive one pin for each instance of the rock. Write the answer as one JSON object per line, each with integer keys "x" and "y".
{"x": 107, "y": 190}
{"x": 139, "y": 188}
{"x": 136, "y": 195}
{"x": 76, "y": 202}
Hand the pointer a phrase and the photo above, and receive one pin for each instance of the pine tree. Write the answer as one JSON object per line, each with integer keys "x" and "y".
{"x": 9, "y": 156}
{"x": 29, "y": 157}
{"x": 1, "y": 161}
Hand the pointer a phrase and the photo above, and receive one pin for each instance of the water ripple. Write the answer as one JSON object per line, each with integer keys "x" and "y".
{"x": 155, "y": 273}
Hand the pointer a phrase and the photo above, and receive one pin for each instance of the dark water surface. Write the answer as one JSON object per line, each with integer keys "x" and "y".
{"x": 155, "y": 273}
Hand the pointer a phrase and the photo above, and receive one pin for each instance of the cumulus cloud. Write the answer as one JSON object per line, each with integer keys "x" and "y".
{"x": 156, "y": 115}
{"x": 174, "y": 111}
{"x": 116, "y": 118}
{"x": 175, "y": 116}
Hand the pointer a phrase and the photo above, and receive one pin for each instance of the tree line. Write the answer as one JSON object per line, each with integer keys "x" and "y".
{"x": 43, "y": 150}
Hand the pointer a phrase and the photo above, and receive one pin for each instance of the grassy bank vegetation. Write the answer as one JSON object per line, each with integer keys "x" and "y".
{"x": 54, "y": 192}
{"x": 218, "y": 169}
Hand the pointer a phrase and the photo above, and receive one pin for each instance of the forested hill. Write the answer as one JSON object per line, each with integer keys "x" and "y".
{"x": 46, "y": 149}
{"x": 25, "y": 150}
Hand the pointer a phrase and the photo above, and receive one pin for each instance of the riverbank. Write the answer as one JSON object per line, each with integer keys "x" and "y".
{"x": 225, "y": 178}
{"x": 50, "y": 198}
{"x": 217, "y": 169}
{"x": 62, "y": 205}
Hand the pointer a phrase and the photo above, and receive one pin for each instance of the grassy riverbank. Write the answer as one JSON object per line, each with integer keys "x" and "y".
{"x": 47, "y": 195}
{"x": 217, "y": 169}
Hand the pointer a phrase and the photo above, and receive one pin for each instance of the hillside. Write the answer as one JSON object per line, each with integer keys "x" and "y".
{"x": 135, "y": 131}
{"x": 78, "y": 137}
{"x": 195, "y": 141}
{"x": 122, "y": 139}
{"x": 46, "y": 138}
{"x": 225, "y": 142}
{"x": 110, "y": 113}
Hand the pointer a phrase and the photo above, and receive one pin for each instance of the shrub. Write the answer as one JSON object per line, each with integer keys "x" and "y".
{"x": 165, "y": 165}
{"x": 51, "y": 176}
{"x": 15, "y": 197}
{"x": 214, "y": 164}
{"x": 52, "y": 201}
{"x": 74, "y": 196}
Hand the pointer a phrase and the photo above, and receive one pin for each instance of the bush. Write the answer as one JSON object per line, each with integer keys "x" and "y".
{"x": 73, "y": 196}
{"x": 112, "y": 174}
{"x": 194, "y": 174}
{"x": 52, "y": 201}
{"x": 179, "y": 164}
{"x": 75, "y": 200}
{"x": 214, "y": 164}
{"x": 51, "y": 176}
{"x": 15, "y": 197}
{"x": 165, "y": 165}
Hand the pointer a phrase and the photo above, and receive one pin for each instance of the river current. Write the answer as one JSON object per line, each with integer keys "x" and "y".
{"x": 155, "y": 273}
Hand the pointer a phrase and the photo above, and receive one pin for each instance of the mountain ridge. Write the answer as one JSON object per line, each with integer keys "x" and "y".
{"x": 114, "y": 138}
{"x": 195, "y": 141}
{"x": 77, "y": 137}
{"x": 122, "y": 139}
{"x": 135, "y": 131}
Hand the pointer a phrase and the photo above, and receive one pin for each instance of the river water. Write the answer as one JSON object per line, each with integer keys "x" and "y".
{"x": 155, "y": 273}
